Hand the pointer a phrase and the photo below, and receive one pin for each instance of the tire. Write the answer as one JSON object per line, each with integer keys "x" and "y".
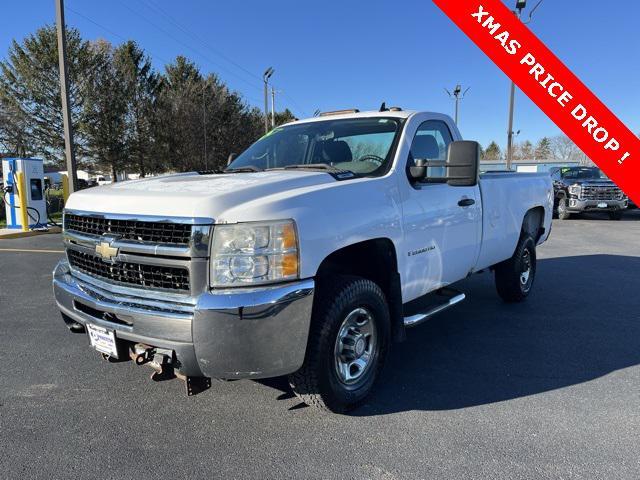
{"x": 320, "y": 382}
{"x": 616, "y": 214}
{"x": 563, "y": 213}
{"x": 515, "y": 277}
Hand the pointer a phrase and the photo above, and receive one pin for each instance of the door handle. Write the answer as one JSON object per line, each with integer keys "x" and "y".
{"x": 466, "y": 202}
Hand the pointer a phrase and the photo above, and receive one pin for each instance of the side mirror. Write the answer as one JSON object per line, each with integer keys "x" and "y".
{"x": 419, "y": 170}
{"x": 463, "y": 162}
{"x": 231, "y": 158}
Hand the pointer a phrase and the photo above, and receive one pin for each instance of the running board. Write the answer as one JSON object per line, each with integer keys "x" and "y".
{"x": 419, "y": 318}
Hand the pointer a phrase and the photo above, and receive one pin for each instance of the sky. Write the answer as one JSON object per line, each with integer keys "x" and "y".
{"x": 339, "y": 54}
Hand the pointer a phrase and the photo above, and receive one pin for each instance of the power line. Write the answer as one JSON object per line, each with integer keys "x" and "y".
{"x": 155, "y": 25}
{"x": 302, "y": 110}
{"x": 200, "y": 40}
{"x": 111, "y": 32}
{"x": 206, "y": 45}
{"x": 124, "y": 39}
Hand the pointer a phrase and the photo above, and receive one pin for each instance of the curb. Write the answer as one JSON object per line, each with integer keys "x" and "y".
{"x": 12, "y": 235}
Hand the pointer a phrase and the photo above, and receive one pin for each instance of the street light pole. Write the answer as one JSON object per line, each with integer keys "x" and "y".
{"x": 459, "y": 95}
{"x": 64, "y": 96}
{"x": 520, "y": 5}
{"x": 512, "y": 100}
{"x": 267, "y": 75}
{"x": 273, "y": 107}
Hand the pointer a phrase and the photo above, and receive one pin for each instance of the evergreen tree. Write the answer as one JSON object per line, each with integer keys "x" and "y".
{"x": 105, "y": 111}
{"x": 493, "y": 152}
{"x": 125, "y": 115}
{"x": 543, "y": 149}
{"x": 140, "y": 86}
{"x": 30, "y": 93}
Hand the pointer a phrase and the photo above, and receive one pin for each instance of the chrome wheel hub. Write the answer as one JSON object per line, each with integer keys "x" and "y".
{"x": 356, "y": 346}
{"x": 526, "y": 265}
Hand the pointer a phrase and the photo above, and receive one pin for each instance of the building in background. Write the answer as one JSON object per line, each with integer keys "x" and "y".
{"x": 525, "y": 166}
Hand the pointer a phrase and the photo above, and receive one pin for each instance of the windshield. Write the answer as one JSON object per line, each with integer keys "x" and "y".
{"x": 584, "y": 173}
{"x": 361, "y": 145}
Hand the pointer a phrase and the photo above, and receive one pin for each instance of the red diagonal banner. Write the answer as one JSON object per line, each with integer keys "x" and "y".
{"x": 551, "y": 86}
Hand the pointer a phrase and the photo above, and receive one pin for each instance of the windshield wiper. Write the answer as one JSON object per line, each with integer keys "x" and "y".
{"x": 248, "y": 168}
{"x": 335, "y": 172}
{"x": 317, "y": 166}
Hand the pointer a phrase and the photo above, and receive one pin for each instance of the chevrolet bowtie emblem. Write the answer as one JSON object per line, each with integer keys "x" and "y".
{"x": 106, "y": 251}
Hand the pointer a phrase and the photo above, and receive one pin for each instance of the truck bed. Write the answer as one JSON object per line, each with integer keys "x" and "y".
{"x": 506, "y": 197}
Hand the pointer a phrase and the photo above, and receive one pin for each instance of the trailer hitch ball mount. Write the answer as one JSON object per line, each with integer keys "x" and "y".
{"x": 163, "y": 362}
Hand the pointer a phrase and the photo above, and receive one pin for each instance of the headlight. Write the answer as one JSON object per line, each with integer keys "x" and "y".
{"x": 254, "y": 253}
{"x": 575, "y": 189}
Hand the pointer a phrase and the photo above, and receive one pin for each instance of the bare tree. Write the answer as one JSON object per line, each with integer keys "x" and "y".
{"x": 563, "y": 149}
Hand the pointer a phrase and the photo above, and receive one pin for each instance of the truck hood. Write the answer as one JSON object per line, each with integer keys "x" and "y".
{"x": 193, "y": 195}
{"x": 592, "y": 183}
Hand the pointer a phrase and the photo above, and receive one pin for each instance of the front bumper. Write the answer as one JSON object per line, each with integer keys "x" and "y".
{"x": 580, "y": 205}
{"x": 233, "y": 333}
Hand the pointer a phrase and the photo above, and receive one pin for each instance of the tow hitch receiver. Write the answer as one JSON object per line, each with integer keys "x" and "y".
{"x": 163, "y": 363}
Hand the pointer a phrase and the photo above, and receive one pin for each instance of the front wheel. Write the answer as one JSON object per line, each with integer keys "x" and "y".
{"x": 563, "y": 209}
{"x": 348, "y": 341}
{"x": 514, "y": 277}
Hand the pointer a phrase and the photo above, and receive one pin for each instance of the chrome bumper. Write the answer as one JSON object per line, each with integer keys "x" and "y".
{"x": 578, "y": 205}
{"x": 234, "y": 333}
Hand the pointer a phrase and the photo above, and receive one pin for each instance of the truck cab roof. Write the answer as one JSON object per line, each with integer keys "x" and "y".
{"x": 368, "y": 114}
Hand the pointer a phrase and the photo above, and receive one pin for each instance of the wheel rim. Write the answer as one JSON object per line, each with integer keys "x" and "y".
{"x": 562, "y": 207}
{"x": 356, "y": 346}
{"x": 525, "y": 274}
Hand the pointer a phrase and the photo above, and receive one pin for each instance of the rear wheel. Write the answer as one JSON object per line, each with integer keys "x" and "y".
{"x": 563, "y": 212}
{"x": 347, "y": 345}
{"x": 514, "y": 277}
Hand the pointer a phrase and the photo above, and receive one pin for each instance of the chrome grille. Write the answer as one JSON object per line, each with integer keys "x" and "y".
{"x": 601, "y": 192}
{"x": 143, "y": 231}
{"x": 131, "y": 274}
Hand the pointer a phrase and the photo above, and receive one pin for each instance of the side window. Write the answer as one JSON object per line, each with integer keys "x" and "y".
{"x": 430, "y": 143}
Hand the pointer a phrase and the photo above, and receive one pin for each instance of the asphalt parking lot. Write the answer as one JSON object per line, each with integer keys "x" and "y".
{"x": 544, "y": 389}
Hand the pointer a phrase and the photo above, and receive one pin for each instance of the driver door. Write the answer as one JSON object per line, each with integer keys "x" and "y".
{"x": 442, "y": 223}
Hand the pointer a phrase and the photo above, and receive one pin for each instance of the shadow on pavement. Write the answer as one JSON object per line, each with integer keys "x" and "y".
{"x": 580, "y": 323}
{"x": 632, "y": 215}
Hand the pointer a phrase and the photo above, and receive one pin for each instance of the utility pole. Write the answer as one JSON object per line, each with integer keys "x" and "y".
{"x": 273, "y": 107}
{"x": 64, "y": 95}
{"x": 512, "y": 100}
{"x": 267, "y": 75}
{"x": 459, "y": 95}
{"x": 204, "y": 125}
{"x": 520, "y": 5}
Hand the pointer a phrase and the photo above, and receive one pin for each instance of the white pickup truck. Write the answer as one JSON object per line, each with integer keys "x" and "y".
{"x": 308, "y": 256}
